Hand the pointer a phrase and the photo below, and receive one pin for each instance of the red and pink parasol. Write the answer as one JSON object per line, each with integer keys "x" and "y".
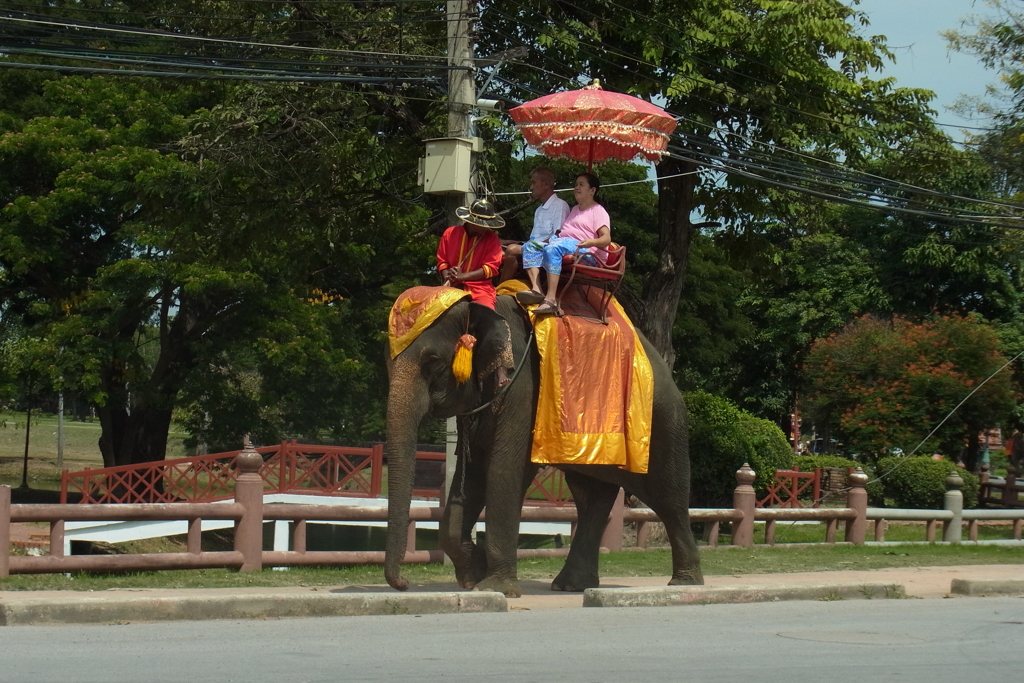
{"x": 594, "y": 125}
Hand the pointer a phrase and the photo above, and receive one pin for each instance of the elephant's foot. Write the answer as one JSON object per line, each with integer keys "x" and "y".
{"x": 510, "y": 587}
{"x": 693, "y": 577}
{"x": 472, "y": 571}
{"x": 571, "y": 582}
{"x": 467, "y": 580}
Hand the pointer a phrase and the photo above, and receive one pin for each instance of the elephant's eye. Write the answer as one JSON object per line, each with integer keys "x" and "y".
{"x": 433, "y": 366}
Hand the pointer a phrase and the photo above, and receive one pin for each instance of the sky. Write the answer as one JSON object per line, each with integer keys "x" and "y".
{"x": 922, "y": 58}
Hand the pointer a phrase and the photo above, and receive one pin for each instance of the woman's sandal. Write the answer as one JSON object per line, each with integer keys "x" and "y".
{"x": 546, "y": 308}
{"x": 530, "y": 296}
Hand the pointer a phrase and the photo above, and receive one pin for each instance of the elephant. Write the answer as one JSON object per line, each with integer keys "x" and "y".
{"x": 494, "y": 467}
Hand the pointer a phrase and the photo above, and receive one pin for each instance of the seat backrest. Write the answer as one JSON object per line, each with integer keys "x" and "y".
{"x": 615, "y": 252}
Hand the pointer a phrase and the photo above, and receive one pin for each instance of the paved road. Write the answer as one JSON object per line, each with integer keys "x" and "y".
{"x": 932, "y": 641}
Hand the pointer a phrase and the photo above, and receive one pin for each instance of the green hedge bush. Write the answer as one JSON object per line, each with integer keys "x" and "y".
{"x": 806, "y": 463}
{"x": 920, "y": 482}
{"x": 722, "y": 438}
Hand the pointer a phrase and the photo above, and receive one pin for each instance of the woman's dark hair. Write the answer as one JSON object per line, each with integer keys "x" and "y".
{"x": 592, "y": 180}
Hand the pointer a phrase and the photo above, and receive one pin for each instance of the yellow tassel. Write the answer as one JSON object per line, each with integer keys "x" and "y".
{"x": 462, "y": 365}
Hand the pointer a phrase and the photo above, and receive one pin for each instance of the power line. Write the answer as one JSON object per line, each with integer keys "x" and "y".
{"x": 893, "y": 183}
{"x": 844, "y": 177}
{"x": 222, "y": 41}
{"x": 226, "y": 63}
{"x": 813, "y": 175}
{"x": 725, "y": 167}
{"x": 337, "y": 78}
{"x": 890, "y": 183}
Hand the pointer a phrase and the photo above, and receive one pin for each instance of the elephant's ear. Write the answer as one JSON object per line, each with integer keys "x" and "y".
{"x": 493, "y": 340}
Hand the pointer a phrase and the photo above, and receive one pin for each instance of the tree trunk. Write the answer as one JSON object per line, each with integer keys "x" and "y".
{"x": 135, "y": 422}
{"x": 972, "y": 451}
{"x": 655, "y": 314}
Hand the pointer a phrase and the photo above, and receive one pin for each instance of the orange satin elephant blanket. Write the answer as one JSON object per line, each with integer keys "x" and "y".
{"x": 415, "y": 310}
{"x": 596, "y": 389}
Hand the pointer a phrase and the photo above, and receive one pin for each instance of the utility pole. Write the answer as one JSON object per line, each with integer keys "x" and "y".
{"x": 461, "y": 102}
{"x": 461, "y": 91}
{"x": 28, "y": 432}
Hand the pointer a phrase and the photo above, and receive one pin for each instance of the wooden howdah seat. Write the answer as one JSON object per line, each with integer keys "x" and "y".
{"x": 607, "y": 277}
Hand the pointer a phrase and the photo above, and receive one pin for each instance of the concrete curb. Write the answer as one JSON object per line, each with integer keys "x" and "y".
{"x": 671, "y": 596}
{"x": 980, "y": 587}
{"x": 105, "y": 608}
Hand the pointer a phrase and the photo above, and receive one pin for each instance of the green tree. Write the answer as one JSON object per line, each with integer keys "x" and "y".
{"x": 998, "y": 41}
{"x": 803, "y": 289}
{"x": 713, "y": 330}
{"x": 745, "y": 74}
{"x": 882, "y": 386}
{"x": 213, "y": 248}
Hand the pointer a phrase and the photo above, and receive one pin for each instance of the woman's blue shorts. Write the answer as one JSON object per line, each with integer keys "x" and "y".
{"x": 550, "y": 255}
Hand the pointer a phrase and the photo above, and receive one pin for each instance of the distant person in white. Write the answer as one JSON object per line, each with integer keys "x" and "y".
{"x": 547, "y": 218}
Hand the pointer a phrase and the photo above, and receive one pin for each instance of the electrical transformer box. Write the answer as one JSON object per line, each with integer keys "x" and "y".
{"x": 446, "y": 166}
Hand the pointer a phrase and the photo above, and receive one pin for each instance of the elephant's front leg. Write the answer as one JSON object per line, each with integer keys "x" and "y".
{"x": 468, "y": 558}
{"x": 508, "y": 474}
{"x": 461, "y": 513}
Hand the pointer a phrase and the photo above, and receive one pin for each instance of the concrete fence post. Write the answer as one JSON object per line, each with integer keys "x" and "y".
{"x": 612, "y": 536}
{"x": 5, "y": 531}
{"x": 249, "y": 494}
{"x": 410, "y": 537}
{"x": 952, "y": 529}
{"x": 857, "y": 500}
{"x": 744, "y": 499}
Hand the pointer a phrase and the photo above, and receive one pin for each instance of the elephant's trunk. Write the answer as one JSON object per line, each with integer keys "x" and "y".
{"x": 408, "y": 402}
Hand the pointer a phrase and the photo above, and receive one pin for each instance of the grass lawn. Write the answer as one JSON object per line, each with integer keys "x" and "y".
{"x": 757, "y": 560}
{"x": 787, "y": 532}
{"x": 81, "y": 450}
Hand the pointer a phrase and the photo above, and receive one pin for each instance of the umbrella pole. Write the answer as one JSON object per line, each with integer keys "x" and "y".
{"x": 590, "y": 157}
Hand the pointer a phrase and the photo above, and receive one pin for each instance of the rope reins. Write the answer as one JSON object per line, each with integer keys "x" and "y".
{"x": 502, "y": 390}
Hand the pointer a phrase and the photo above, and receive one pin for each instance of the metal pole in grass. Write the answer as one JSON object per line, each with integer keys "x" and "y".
{"x": 60, "y": 429}
{"x": 28, "y": 432}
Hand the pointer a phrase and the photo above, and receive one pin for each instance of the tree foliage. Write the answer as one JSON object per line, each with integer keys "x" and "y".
{"x": 882, "y": 385}
{"x": 998, "y": 42}
{"x": 746, "y": 74}
{"x": 226, "y": 251}
{"x": 229, "y": 252}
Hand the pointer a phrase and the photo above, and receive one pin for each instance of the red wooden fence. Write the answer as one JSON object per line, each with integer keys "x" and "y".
{"x": 789, "y": 485}
{"x": 287, "y": 468}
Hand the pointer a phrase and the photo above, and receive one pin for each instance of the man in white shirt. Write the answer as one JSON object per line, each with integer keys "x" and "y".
{"x": 547, "y": 218}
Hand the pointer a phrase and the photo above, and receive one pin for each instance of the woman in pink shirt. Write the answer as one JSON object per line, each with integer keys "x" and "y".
{"x": 587, "y": 225}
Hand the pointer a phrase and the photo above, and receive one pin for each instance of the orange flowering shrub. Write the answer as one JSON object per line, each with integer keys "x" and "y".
{"x": 883, "y": 385}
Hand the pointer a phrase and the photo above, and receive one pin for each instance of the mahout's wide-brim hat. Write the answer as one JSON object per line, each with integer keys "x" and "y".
{"x": 480, "y": 213}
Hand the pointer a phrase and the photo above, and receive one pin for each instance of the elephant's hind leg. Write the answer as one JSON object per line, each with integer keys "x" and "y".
{"x": 685, "y": 555}
{"x": 594, "y": 501}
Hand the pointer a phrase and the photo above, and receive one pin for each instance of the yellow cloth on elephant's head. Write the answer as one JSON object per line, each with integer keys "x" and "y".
{"x": 415, "y": 310}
